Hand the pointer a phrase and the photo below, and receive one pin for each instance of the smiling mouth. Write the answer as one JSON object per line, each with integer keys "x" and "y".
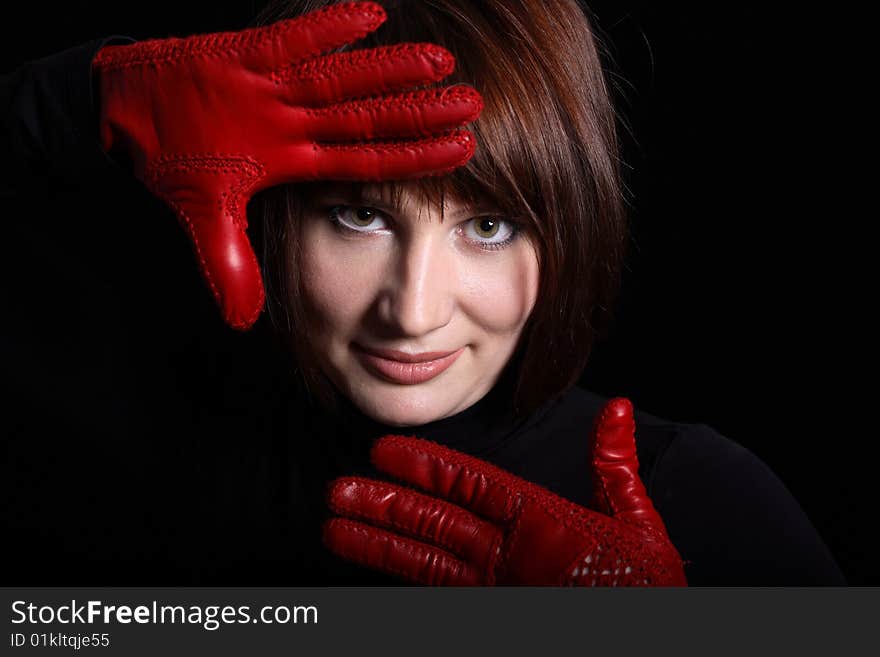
{"x": 403, "y": 368}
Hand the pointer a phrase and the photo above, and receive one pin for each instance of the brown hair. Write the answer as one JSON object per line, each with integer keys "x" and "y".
{"x": 547, "y": 155}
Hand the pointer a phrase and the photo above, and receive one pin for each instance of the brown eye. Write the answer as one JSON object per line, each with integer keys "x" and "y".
{"x": 358, "y": 219}
{"x": 486, "y": 226}
{"x": 363, "y": 217}
{"x": 490, "y": 233}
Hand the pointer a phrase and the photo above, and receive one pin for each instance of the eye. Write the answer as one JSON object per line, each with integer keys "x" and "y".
{"x": 490, "y": 232}
{"x": 360, "y": 219}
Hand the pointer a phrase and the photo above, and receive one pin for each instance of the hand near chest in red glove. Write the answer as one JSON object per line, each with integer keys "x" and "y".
{"x": 476, "y": 524}
{"x": 210, "y": 120}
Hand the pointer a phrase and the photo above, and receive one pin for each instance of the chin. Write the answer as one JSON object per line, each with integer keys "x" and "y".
{"x": 402, "y": 410}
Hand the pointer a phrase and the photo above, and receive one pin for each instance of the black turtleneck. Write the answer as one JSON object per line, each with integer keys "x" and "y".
{"x": 731, "y": 518}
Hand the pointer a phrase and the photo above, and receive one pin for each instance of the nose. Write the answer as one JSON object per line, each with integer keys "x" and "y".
{"x": 420, "y": 293}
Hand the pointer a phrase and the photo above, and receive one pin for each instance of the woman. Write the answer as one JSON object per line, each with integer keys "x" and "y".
{"x": 469, "y": 268}
{"x": 506, "y": 266}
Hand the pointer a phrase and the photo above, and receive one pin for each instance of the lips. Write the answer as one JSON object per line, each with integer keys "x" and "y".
{"x": 406, "y": 369}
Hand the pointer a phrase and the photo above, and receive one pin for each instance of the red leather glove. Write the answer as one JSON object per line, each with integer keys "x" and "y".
{"x": 208, "y": 121}
{"x": 481, "y": 525}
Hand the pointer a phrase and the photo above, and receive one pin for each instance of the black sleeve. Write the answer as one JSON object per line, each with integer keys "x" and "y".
{"x": 131, "y": 413}
{"x": 49, "y": 122}
{"x": 732, "y": 519}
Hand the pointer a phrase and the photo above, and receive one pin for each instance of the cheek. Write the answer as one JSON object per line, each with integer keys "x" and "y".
{"x": 501, "y": 297}
{"x": 339, "y": 285}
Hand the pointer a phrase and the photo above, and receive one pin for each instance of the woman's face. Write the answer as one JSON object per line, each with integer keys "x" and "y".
{"x": 412, "y": 318}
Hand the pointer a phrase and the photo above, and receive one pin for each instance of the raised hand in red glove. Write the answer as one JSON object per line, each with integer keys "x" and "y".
{"x": 481, "y": 525}
{"x": 208, "y": 121}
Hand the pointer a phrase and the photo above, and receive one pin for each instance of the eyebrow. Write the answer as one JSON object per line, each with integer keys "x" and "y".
{"x": 362, "y": 196}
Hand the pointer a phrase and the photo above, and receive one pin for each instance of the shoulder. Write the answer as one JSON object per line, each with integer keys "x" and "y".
{"x": 732, "y": 519}
{"x": 662, "y": 444}
{"x": 552, "y": 447}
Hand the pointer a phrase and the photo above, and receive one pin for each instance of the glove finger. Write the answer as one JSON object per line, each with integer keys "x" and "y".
{"x": 396, "y": 555}
{"x": 429, "y": 519}
{"x": 397, "y": 160}
{"x": 273, "y": 46}
{"x": 481, "y": 487}
{"x": 361, "y": 73}
{"x": 263, "y": 48}
{"x": 230, "y": 268}
{"x": 216, "y": 230}
{"x": 415, "y": 114}
{"x": 618, "y": 490}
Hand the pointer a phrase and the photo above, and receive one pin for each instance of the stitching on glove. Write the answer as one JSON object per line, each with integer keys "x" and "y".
{"x": 216, "y": 163}
{"x": 511, "y": 538}
{"x": 234, "y": 322}
{"x": 577, "y": 574}
{"x": 494, "y": 559}
{"x": 556, "y": 506}
{"x": 607, "y": 499}
{"x": 377, "y": 564}
{"x": 231, "y": 199}
{"x": 464, "y": 462}
{"x": 380, "y": 564}
{"x": 187, "y": 222}
{"x": 354, "y": 61}
{"x": 411, "y": 100}
{"x": 460, "y": 513}
{"x": 646, "y": 566}
{"x": 462, "y": 138}
{"x": 162, "y": 52}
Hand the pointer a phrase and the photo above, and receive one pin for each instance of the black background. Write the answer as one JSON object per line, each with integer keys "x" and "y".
{"x": 734, "y": 313}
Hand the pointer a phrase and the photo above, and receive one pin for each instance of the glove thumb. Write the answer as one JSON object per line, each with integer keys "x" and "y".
{"x": 210, "y": 198}
{"x": 617, "y": 489}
